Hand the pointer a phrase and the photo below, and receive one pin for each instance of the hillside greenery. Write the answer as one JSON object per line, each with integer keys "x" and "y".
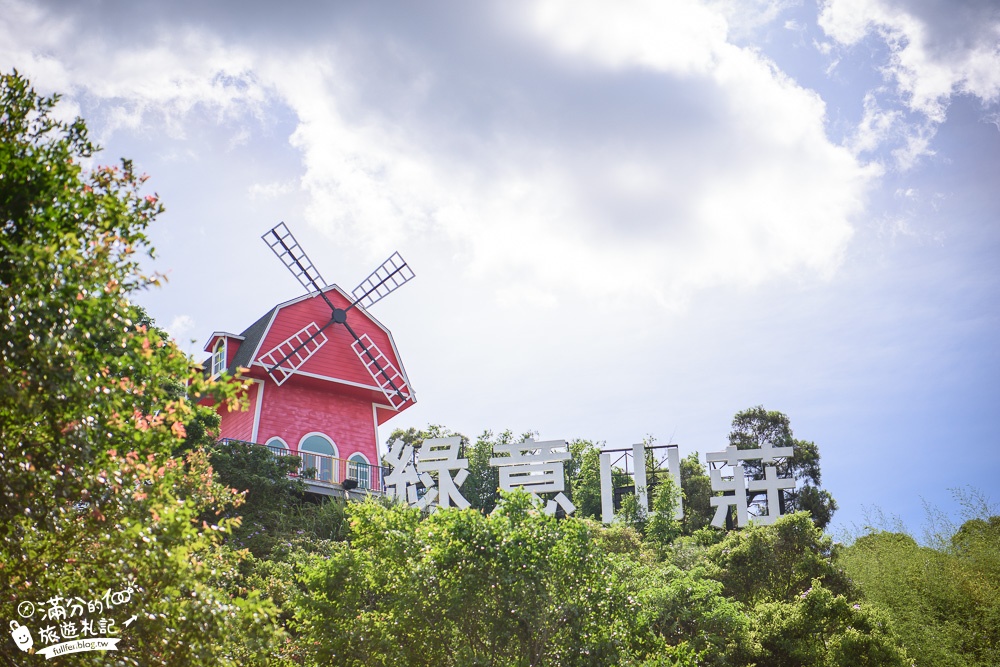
{"x": 111, "y": 479}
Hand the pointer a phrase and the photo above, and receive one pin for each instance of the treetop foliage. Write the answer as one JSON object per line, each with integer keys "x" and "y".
{"x": 93, "y": 498}
{"x": 756, "y": 427}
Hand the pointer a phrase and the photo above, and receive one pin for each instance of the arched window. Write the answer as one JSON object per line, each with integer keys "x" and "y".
{"x": 277, "y": 446}
{"x": 219, "y": 357}
{"x": 359, "y": 470}
{"x": 318, "y": 452}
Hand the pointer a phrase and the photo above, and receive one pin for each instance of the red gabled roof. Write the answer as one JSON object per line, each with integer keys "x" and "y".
{"x": 335, "y": 362}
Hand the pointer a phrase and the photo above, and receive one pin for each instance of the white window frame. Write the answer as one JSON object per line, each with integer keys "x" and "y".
{"x": 309, "y": 460}
{"x": 219, "y": 357}
{"x": 364, "y": 479}
{"x": 274, "y": 441}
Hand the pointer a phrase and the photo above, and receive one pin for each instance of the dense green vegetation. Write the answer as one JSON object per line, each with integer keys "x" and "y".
{"x": 93, "y": 407}
{"x": 110, "y": 477}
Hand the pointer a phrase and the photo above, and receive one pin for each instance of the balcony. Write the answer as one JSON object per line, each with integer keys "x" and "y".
{"x": 332, "y": 476}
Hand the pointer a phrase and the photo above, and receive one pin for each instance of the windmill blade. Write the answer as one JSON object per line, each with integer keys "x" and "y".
{"x": 389, "y": 277}
{"x": 281, "y": 242}
{"x": 389, "y": 380}
{"x": 289, "y": 355}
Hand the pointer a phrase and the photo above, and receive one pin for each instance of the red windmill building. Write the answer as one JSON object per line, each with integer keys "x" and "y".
{"x": 325, "y": 373}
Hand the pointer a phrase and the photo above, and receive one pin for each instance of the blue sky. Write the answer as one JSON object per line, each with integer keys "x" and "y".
{"x": 625, "y": 219}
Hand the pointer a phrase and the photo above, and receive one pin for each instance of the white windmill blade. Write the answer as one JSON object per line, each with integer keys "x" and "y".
{"x": 386, "y": 376}
{"x": 281, "y": 242}
{"x": 389, "y": 277}
{"x": 290, "y": 354}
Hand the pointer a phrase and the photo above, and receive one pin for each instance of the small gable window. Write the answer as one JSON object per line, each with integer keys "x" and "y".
{"x": 219, "y": 357}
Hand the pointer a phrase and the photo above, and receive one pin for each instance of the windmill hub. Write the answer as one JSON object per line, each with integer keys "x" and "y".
{"x": 339, "y": 315}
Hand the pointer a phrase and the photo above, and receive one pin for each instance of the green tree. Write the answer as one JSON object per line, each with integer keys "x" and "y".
{"x": 697, "y": 489}
{"x": 415, "y": 437}
{"x": 945, "y": 601}
{"x": 632, "y": 513}
{"x": 776, "y": 562}
{"x": 92, "y": 496}
{"x": 269, "y": 494}
{"x": 826, "y": 630}
{"x": 482, "y": 486}
{"x": 515, "y": 587}
{"x": 662, "y": 528}
{"x": 583, "y": 477}
{"x": 674, "y": 608}
{"x": 753, "y": 428}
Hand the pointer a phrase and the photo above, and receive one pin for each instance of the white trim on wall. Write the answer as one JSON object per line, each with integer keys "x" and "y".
{"x": 327, "y": 378}
{"x": 279, "y": 439}
{"x": 336, "y": 450}
{"x": 257, "y": 410}
{"x": 378, "y": 445}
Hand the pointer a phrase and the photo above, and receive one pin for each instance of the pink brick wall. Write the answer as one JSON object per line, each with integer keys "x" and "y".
{"x": 239, "y": 425}
{"x": 292, "y": 411}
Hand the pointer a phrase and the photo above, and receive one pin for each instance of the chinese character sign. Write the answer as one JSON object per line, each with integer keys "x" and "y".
{"x": 736, "y": 482}
{"x": 439, "y": 458}
{"x": 434, "y": 469}
{"x": 401, "y": 483}
{"x": 638, "y": 458}
{"x": 433, "y": 476}
{"x": 536, "y": 467}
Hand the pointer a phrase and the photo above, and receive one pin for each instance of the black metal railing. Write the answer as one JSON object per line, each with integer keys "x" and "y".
{"x": 324, "y": 469}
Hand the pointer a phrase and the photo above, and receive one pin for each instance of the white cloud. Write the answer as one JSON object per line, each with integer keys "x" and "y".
{"x": 916, "y": 144}
{"x": 718, "y": 173}
{"x": 876, "y": 126}
{"x": 268, "y": 191}
{"x": 778, "y": 196}
{"x": 679, "y": 37}
{"x": 180, "y": 328}
{"x": 165, "y": 76}
{"x": 936, "y": 51}
{"x": 993, "y": 118}
{"x": 745, "y": 17}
